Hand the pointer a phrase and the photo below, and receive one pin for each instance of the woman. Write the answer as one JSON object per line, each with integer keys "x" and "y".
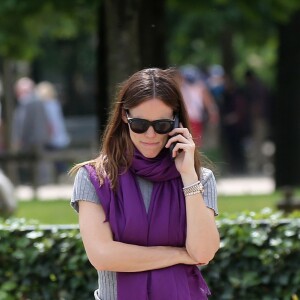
{"x": 198, "y": 101}
{"x": 59, "y": 138}
{"x": 144, "y": 222}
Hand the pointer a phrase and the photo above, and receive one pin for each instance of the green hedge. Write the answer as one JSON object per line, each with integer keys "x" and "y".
{"x": 41, "y": 264}
{"x": 257, "y": 260}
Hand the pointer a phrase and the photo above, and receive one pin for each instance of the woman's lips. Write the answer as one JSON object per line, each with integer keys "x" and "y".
{"x": 150, "y": 144}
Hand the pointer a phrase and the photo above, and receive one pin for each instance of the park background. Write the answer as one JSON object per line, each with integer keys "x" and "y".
{"x": 85, "y": 48}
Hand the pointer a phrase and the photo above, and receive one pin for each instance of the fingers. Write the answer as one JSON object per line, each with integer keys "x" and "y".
{"x": 189, "y": 136}
{"x": 180, "y": 135}
{"x": 184, "y": 148}
{"x": 182, "y": 144}
{"x": 182, "y": 139}
{"x": 179, "y": 147}
{"x": 180, "y": 130}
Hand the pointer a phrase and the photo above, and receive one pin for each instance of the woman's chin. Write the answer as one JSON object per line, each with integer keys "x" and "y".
{"x": 150, "y": 153}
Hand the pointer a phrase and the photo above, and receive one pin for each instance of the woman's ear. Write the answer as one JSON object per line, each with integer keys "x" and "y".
{"x": 124, "y": 117}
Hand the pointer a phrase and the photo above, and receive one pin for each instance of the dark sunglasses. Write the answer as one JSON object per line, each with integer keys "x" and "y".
{"x": 162, "y": 126}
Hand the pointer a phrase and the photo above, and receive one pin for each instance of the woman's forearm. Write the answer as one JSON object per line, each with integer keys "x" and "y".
{"x": 121, "y": 257}
{"x": 106, "y": 254}
{"x": 202, "y": 241}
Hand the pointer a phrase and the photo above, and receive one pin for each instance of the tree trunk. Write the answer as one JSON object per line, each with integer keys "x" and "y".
{"x": 227, "y": 51}
{"x": 152, "y": 34}
{"x": 102, "y": 105}
{"x": 8, "y": 111}
{"x": 8, "y": 104}
{"x": 131, "y": 37}
{"x": 287, "y": 106}
{"x": 123, "y": 53}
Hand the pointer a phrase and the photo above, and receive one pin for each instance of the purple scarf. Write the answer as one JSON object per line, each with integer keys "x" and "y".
{"x": 164, "y": 225}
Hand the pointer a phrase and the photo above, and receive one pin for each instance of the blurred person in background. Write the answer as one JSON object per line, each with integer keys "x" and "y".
{"x": 30, "y": 127}
{"x": 259, "y": 102}
{"x": 198, "y": 101}
{"x": 235, "y": 126}
{"x": 30, "y": 130}
{"x": 216, "y": 82}
{"x": 59, "y": 138}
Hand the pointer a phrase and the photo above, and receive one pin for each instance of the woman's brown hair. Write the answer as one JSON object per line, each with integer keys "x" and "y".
{"x": 117, "y": 148}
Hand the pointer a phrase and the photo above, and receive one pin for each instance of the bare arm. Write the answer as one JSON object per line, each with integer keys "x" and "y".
{"x": 203, "y": 239}
{"x": 106, "y": 254}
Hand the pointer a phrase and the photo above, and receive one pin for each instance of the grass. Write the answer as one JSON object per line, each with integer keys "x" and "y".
{"x": 47, "y": 212}
{"x": 234, "y": 204}
{"x": 60, "y": 211}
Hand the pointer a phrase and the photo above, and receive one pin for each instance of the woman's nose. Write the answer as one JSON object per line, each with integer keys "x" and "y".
{"x": 150, "y": 132}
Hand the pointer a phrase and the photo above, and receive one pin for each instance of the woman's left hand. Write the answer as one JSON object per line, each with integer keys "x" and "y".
{"x": 184, "y": 150}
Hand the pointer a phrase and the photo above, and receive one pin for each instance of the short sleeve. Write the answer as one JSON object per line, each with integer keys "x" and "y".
{"x": 83, "y": 189}
{"x": 210, "y": 189}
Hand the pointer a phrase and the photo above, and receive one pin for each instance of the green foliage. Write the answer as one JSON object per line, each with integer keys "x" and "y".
{"x": 257, "y": 260}
{"x": 197, "y": 31}
{"x": 43, "y": 263}
{"x": 23, "y": 24}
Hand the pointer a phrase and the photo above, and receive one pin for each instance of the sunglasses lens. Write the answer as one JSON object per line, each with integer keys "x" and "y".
{"x": 163, "y": 127}
{"x": 139, "y": 125}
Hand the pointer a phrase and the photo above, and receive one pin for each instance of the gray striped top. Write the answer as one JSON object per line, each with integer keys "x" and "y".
{"x": 84, "y": 190}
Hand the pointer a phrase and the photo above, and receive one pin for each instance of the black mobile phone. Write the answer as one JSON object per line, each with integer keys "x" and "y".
{"x": 176, "y": 125}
